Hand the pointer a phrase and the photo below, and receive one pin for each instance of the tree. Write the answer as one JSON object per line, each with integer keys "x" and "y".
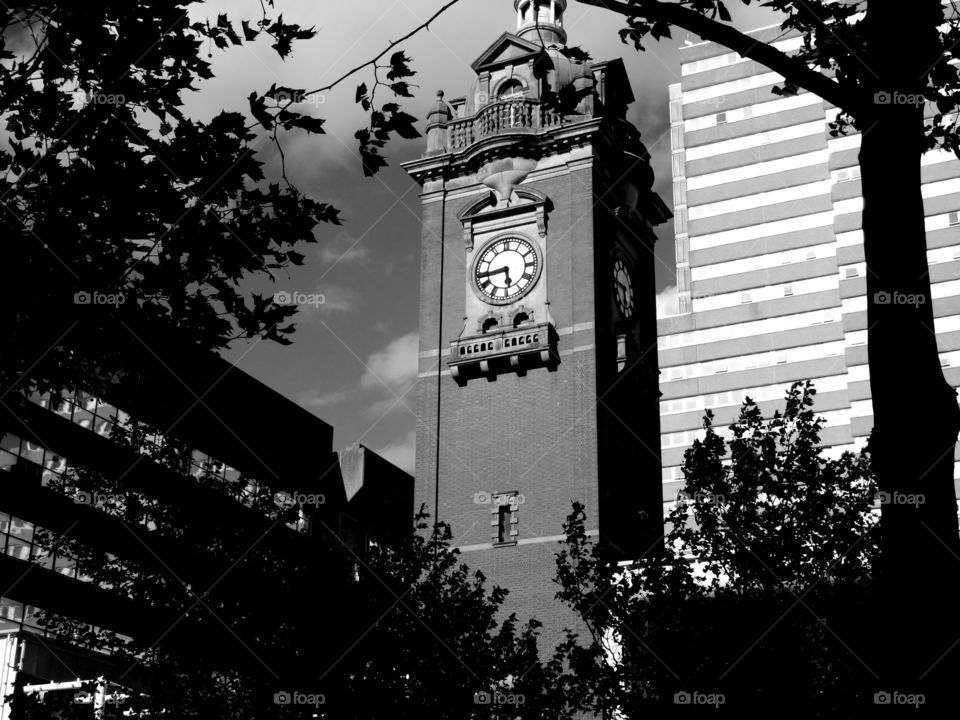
{"x": 760, "y": 603}
{"x": 890, "y": 70}
{"x": 119, "y": 212}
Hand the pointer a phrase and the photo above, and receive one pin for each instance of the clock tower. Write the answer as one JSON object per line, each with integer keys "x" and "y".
{"x": 538, "y": 341}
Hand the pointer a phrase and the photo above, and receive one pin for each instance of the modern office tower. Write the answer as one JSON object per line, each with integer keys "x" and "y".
{"x": 246, "y": 443}
{"x": 769, "y": 251}
{"x": 538, "y": 379}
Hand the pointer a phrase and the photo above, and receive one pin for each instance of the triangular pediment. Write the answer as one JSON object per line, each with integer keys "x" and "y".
{"x": 506, "y": 49}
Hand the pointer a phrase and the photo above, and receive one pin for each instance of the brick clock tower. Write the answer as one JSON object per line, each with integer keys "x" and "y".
{"x": 538, "y": 363}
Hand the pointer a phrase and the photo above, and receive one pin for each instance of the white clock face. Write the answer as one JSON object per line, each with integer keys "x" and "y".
{"x": 623, "y": 287}
{"x": 506, "y": 270}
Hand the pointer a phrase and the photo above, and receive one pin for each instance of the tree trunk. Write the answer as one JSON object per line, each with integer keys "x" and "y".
{"x": 916, "y": 418}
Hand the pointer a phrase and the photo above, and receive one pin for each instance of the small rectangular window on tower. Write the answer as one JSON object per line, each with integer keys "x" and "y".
{"x": 954, "y": 218}
{"x": 721, "y": 118}
{"x": 787, "y": 290}
{"x": 503, "y": 523}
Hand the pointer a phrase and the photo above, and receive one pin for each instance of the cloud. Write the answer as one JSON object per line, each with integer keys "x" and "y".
{"x": 402, "y": 453}
{"x": 667, "y": 302}
{"x": 394, "y": 367}
{"x": 392, "y": 373}
{"x": 316, "y": 399}
{"x": 343, "y": 249}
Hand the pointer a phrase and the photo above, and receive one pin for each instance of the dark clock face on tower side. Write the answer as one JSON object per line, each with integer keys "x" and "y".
{"x": 623, "y": 287}
{"x": 506, "y": 269}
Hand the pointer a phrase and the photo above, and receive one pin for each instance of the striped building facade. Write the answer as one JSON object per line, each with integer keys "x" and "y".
{"x": 769, "y": 250}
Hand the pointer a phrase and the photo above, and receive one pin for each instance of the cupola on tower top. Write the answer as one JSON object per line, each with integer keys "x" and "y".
{"x": 541, "y": 21}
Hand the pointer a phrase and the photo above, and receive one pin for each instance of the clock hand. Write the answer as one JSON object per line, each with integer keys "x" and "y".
{"x": 488, "y": 273}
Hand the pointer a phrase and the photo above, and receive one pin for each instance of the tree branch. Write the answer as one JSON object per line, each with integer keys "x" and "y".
{"x": 792, "y": 70}
{"x": 391, "y": 46}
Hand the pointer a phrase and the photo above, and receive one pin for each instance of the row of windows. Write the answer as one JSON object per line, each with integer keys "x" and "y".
{"x": 49, "y": 467}
{"x": 762, "y": 393}
{"x": 717, "y": 61}
{"x": 674, "y": 473}
{"x": 747, "y": 329}
{"x": 719, "y": 91}
{"x": 101, "y": 417}
{"x": 23, "y": 540}
{"x": 747, "y": 142}
{"x": 759, "y": 169}
{"x": 18, "y": 617}
{"x": 762, "y": 230}
{"x": 931, "y": 223}
{"x": 770, "y": 197}
{"x": 34, "y": 459}
{"x": 746, "y": 112}
{"x": 687, "y": 437}
{"x": 764, "y": 261}
{"x": 762, "y": 294}
{"x": 84, "y": 410}
{"x": 755, "y": 360}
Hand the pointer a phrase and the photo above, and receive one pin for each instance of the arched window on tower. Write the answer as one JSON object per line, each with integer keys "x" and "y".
{"x": 511, "y": 89}
{"x": 489, "y": 324}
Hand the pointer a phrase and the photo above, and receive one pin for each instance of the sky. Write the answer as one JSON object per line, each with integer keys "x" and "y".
{"x": 353, "y": 362}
